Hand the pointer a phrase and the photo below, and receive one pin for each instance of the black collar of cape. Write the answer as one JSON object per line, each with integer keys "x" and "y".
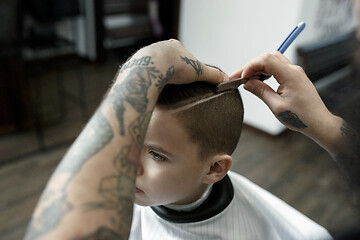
{"x": 220, "y": 197}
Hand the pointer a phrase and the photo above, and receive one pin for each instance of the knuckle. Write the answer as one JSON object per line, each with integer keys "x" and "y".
{"x": 268, "y": 57}
{"x": 277, "y": 53}
{"x": 175, "y": 41}
{"x": 259, "y": 91}
{"x": 298, "y": 69}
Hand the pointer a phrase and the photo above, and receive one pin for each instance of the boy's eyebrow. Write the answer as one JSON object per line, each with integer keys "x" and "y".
{"x": 158, "y": 149}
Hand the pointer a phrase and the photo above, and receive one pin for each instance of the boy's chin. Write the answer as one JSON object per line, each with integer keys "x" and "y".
{"x": 142, "y": 203}
{"x": 145, "y": 204}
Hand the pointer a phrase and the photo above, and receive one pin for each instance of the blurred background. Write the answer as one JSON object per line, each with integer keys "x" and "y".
{"x": 59, "y": 57}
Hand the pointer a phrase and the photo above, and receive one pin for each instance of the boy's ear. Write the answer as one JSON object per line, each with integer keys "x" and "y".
{"x": 220, "y": 165}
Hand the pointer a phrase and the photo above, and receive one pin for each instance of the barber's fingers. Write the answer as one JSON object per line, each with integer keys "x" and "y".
{"x": 212, "y": 75}
{"x": 265, "y": 57}
{"x": 281, "y": 57}
{"x": 269, "y": 64}
{"x": 264, "y": 92}
{"x": 237, "y": 73}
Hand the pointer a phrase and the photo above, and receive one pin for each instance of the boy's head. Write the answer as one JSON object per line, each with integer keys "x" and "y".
{"x": 191, "y": 135}
{"x": 212, "y": 121}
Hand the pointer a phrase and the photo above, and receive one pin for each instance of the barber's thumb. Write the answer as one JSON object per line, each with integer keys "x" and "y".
{"x": 261, "y": 90}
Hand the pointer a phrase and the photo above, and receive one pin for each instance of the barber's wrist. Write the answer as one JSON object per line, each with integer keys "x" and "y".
{"x": 327, "y": 133}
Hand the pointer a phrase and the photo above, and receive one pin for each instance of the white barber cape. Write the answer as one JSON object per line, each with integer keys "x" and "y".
{"x": 235, "y": 209}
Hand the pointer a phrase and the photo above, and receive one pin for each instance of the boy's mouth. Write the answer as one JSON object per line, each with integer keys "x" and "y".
{"x": 138, "y": 190}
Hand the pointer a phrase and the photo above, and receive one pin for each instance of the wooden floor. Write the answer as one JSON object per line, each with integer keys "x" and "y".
{"x": 290, "y": 166}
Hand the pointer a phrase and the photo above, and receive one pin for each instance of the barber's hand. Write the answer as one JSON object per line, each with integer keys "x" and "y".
{"x": 296, "y": 103}
{"x": 184, "y": 68}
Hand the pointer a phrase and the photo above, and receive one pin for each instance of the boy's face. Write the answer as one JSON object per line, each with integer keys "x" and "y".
{"x": 170, "y": 170}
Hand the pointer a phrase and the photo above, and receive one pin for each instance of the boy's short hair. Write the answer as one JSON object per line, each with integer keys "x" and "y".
{"x": 214, "y": 123}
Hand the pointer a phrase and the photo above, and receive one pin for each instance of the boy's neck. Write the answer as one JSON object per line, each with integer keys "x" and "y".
{"x": 221, "y": 195}
{"x": 191, "y": 206}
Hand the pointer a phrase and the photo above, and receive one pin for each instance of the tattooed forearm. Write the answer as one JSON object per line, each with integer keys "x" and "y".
{"x": 196, "y": 64}
{"x": 134, "y": 90}
{"x": 50, "y": 216}
{"x": 138, "y": 129}
{"x": 137, "y": 62}
{"x": 161, "y": 82}
{"x": 95, "y": 137}
{"x": 97, "y": 134}
{"x": 114, "y": 190}
{"x": 292, "y": 119}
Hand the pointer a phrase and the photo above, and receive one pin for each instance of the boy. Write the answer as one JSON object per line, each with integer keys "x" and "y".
{"x": 183, "y": 175}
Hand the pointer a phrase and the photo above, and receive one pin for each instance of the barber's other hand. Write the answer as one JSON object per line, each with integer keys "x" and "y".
{"x": 186, "y": 68}
{"x": 296, "y": 103}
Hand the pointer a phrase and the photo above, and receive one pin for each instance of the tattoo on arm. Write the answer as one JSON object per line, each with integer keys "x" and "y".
{"x": 214, "y": 67}
{"x": 134, "y": 90}
{"x": 95, "y": 137}
{"x": 50, "y": 217}
{"x": 138, "y": 128}
{"x": 135, "y": 87}
{"x": 161, "y": 82}
{"x": 292, "y": 119}
{"x": 97, "y": 134}
{"x": 196, "y": 64}
{"x": 137, "y": 62}
{"x": 114, "y": 189}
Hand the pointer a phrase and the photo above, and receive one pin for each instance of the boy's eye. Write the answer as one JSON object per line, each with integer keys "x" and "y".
{"x": 157, "y": 157}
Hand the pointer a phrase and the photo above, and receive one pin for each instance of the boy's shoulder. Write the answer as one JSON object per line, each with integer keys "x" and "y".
{"x": 276, "y": 213}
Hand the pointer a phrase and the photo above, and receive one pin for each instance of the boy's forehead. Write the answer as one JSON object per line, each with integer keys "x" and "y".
{"x": 166, "y": 131}
{"x": 164, "y": 119}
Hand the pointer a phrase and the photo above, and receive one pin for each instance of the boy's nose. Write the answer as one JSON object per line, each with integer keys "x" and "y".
{"x": 140, "y": 170}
